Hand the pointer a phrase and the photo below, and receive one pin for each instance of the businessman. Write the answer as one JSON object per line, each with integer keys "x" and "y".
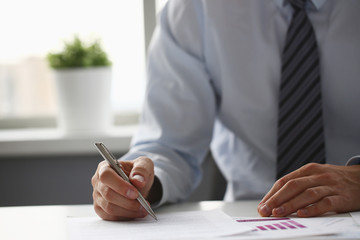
{"x": 270, "y": 87}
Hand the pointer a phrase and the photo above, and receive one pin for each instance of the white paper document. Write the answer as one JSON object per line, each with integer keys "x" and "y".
{"x": 277, "y": 228}
{"x": 178, "y": 225}
{"x": 356, "y": 217}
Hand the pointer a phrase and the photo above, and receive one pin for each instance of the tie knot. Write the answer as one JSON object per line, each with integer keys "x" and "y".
{"x": 298, "y": 4}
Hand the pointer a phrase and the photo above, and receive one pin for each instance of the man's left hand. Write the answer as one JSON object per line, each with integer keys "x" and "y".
{"x": 313, "y": 190}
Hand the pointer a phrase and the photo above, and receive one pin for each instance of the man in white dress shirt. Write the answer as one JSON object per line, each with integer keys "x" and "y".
{"x": 213, "y": 83}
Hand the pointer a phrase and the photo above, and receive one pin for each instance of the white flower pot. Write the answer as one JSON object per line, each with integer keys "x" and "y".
{"x": 84, "y": 100}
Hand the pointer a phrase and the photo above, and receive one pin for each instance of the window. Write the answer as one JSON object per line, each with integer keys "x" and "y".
{"x": 30, "y": 29}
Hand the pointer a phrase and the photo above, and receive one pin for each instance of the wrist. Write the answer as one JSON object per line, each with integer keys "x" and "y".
{"x": 156, "y": 192}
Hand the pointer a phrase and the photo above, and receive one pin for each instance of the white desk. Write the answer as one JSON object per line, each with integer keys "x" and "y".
{"x": 49, "y": 222}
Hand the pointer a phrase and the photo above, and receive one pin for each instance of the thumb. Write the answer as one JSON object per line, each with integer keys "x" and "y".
{"x": 142, "y": 174}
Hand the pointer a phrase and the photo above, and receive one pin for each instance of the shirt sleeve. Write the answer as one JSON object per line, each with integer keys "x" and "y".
{"x": 178, "y": 113}
{"x": 353, "y": 161}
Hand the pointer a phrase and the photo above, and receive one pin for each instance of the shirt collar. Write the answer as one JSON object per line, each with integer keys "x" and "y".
{"x": 316, "y": 4}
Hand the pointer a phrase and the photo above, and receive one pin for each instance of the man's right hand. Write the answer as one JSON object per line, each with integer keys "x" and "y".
{"x": 114, "y": 198}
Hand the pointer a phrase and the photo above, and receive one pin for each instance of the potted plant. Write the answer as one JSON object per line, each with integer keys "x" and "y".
{"x": 83, "y": 81}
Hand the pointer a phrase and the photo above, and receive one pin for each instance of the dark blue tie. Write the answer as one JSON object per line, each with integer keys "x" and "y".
{"x": 300, "y": 124}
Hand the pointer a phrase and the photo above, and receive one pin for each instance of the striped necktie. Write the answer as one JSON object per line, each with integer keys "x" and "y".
{"x": 300, "y": 124}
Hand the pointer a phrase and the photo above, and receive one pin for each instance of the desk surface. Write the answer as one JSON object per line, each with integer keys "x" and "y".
{"x": 49, "y": 222}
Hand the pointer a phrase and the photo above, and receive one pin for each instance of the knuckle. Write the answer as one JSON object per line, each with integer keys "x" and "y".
{"x": 272, "y": 202}
{"x": 311, "y": 193}
{"x": 108, "y": 208}
{"x": 107, "y": 193}
{"x": 94, "y": 196}
{"x": 97, "y": 209}
{"x": 311, "y": 166}
{"x": 151, "y": 163}
{"x": 141, "y": 169}
{"x": 132, "y": 206}
{"x": 100, "y": 165}
{"x": 328, "y": 202}
{"x": 305, "y": 168}
{"x": 292, "y": 184}
{"x": 145, "y": 162}
{"x": 103, "y": 214}
{"x": 144, "y": 158}
{"x": 94, "y": 180}
{"x": 327, "y": 175}
{"x": 103, "y": 175}
{"x": 281, "y": 182}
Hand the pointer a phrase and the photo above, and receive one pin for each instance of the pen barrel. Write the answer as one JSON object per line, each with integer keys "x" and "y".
{"x": 145, "y": 205}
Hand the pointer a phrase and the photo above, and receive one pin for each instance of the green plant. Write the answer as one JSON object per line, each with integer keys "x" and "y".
{"x": 76, "y": 54}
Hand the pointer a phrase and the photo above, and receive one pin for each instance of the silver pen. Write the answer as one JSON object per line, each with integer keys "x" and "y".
{"x": 114, "y": 164}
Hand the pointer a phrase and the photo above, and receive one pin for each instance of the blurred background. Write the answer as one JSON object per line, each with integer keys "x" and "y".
{"x": 39, "y": 165}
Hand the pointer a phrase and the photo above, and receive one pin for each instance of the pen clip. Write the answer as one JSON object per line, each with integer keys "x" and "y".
{"x": 103, "y": 149}
{"x": 109, "y": 157}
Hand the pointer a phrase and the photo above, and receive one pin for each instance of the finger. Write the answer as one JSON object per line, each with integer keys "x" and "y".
{"x": 109, "y": 211}
{"x": 116, "y": 210}
{"x": 142, "y": 173}
{"x": 115, "y": 198}
{"x": 275, "y": 188}
{"x": 306, "y": 170}
{"x": 282, "y": 194}
{"x": 306, "y": 198}
{"x": 291, "y": 189}
{"x": 325, "y": 205}
{"x": 279, "y": 184}
{"x": 95, "y": 178}
{"x": 100, "y": 212}
{"x": 110, "y": 178}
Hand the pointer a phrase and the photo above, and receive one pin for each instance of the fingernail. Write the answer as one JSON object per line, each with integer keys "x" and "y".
{"x": 139, "y": 178}
{"x": 279, "y": 210}
{"x": 131, "y": 194}
{"x": 264, "y": 210}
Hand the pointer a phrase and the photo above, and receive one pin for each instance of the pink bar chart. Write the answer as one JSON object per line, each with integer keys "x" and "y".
{"x": 273, "y": 224}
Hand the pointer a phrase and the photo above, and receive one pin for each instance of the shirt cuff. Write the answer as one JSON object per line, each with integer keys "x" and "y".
{"x": 353, "y": 161}
{"x": 161, "y": 175}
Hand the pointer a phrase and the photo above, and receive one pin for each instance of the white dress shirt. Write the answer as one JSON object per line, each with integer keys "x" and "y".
{"x": 213, "y": 79}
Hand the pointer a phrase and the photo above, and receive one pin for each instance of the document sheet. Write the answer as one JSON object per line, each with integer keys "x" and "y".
{"x": 356, "y": 217}
{"x": 278, "y": 228}
{"x": 178, "y": 225}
